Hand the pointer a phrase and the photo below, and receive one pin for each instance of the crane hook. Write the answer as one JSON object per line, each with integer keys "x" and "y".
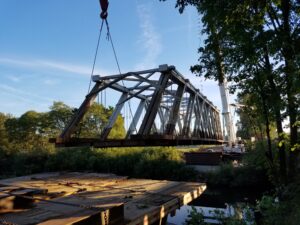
{"x": 104, "y": 7}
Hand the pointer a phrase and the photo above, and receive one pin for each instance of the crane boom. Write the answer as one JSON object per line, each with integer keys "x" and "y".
{"x": 227, "y": 118}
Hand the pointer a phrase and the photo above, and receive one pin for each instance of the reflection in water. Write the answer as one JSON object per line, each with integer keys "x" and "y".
{"x": 227, "y": 202}
{"x": 208, "y": 213}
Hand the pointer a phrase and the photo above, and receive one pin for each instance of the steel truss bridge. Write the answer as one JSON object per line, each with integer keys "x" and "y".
{"x": 166, "y": 110}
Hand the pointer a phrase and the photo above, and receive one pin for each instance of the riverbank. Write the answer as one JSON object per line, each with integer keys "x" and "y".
{"x": 152, "y": 163}
{"x": 164, "y": 164}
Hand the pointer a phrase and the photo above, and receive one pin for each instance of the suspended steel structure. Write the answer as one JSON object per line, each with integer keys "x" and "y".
{"x": 167, "y": 111}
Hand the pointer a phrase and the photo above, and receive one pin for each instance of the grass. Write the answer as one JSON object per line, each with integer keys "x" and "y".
{"x": 193, "y": 148}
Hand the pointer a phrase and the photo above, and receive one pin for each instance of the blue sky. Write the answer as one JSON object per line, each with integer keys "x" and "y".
{"x": 47, "y": 47}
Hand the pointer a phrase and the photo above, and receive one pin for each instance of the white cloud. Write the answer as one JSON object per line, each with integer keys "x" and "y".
{"x": 50, "y": 82}
{"x": 23, "y": 94}
{"x": 66, "y": 67}
{"x": 52, "y": 65}
{"x": 39, "y": 73}
{"x": 13, "y": 102}
{"x": 149, "y": 40}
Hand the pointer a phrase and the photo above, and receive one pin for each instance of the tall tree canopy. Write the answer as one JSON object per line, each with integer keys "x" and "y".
{"x": 256, "y": 44}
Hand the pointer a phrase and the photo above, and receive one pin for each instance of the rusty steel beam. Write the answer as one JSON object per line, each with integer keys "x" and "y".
{"x": 138, "y": 141}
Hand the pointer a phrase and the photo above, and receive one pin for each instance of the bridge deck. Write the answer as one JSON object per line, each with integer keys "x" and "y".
{"x": 136, "y": 141}
{"x": 90, "y": 198}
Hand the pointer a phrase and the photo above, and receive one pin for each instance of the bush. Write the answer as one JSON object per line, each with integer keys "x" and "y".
{"x": 282, "y": 208}
{"x": 253, "y": 171}
{"x": 151, "y": 163}
{"x": 243, "y": 215}
{"x": 245, "y": 176}
{"x": 24, "y": 163}
{"x": 75, "y": 159}
{"x": 5, "y": 164}
{"x": 195, "y": 217}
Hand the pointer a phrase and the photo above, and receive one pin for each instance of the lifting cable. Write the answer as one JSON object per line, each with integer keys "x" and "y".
{"x": 118, "y": 65}
{"x": 95, "y": 56}
{"x": 103, "y": 16}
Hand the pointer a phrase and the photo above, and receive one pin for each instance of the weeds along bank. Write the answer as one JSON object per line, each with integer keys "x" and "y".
{"x": 253, "y": 171}
{"x": 154, "y": 163}
{"x": 280, "y": 204}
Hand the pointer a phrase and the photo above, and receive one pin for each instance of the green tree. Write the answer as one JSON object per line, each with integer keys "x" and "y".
{"x": 4, "y": 142}
{"x": 27, "y": 133}
{"x": 57, "y": 118}
{"x": 251, "y": 122}
{"x": 256, "y": 44}
{"x": 94, "y": 121}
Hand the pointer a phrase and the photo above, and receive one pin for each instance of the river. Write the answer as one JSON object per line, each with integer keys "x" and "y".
{"x": 221, "y": 200}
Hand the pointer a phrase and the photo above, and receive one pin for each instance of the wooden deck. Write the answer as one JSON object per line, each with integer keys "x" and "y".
{"x": 91, "y": 198}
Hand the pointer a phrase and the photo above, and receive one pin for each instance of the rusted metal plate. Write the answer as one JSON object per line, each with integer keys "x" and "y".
{"x": 203, "y": 158}
{"x": 91, "y": 198}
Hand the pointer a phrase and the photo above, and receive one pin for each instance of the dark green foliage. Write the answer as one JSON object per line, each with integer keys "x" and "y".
{"x": 255, "y": 44}
{"x": 74, "y": 159}
{"x": 57, "y": 118}
{"x": 24, "y": 147}
{"x": 96, "y": 118}
{"x": 254, "y": 171}
{"x": 282, "y": 208}
{"x": 251, "y": 120}
{"x": 4, "y": 142}
{"x": 21, "y": 163}
{"x": 5, "y": 163}
{"x": 153, "y": 163}
{"x": 195, "y": 218}
{"x": 247, "y": 176}
{"x": 24, "y": 163}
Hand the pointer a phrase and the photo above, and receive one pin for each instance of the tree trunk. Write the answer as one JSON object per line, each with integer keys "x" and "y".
{"x": 266, "y": 115}
{"x": 290, "y": 73}
{"x": 276, "y": 107}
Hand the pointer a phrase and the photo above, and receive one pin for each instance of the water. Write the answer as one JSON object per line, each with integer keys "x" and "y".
{"x": 208, "y": 212}
{"x": 225, "y": 201}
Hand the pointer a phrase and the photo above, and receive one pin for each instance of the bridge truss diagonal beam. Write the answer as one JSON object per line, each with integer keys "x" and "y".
{"x": 167, "y": 110}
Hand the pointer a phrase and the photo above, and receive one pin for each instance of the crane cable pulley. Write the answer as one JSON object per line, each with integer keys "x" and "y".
{"x": 104, "y": 6}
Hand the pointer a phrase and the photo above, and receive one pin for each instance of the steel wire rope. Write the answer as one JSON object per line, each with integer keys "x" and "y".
{"x": 117, "y": 62}
{"x": 94, "y": 64}
{"x": 96, "y": 54}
